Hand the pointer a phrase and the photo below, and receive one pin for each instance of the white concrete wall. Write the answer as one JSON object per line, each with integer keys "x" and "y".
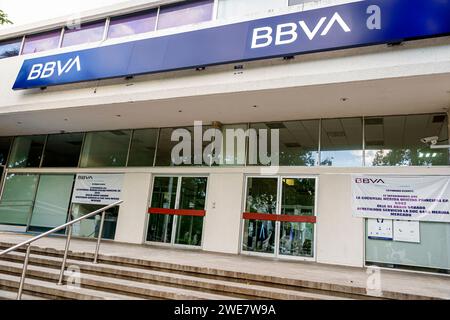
{"x": 224, "y": 212}
{"x": 340, "y": 236}
{"x": 133, "y": 212}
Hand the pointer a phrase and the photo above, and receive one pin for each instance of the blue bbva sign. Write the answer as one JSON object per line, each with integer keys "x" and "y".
{"x": 350, "y": 25}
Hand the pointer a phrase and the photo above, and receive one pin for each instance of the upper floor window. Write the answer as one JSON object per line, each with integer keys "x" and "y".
{"x": 185, "y": 13}
{"x": 10, "y": 48}
{"x": 87, "y": 33}
{"x": 42, "y": 42}
{"x": 132, "y": 24}
{"x": 236, "y": 8}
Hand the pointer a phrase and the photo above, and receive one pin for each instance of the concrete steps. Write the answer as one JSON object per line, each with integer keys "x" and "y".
{"x": 120, "y": 278}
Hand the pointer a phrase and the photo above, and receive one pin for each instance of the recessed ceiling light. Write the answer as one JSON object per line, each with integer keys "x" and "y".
{"x": 19, "y": 122}
{"x": 255, "y": 106}
{"x": 118, "y": 115}
{"x": 344, "y": 99}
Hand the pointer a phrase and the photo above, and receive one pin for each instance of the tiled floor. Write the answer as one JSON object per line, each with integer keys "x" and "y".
{"x": 396, "y": 281}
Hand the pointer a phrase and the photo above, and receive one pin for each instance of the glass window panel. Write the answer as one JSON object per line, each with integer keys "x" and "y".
{"x": 236, "y": 8}
{"x": 233, "y": 151}
{"x": 165, "y": 146}
{"x": 42, "y": 42}
{"x": 10, "y": 48}
{"x": 52, "y": 202}
{"x": 105, "y": 149}
{"x": 192, "y": 197}
{"x": 298, "y": 143}
{"x": 132, "y": 24}
{"x": 163, "y": 196}
{"x": 341, "y": 142}
{"x": 90, "y": 227}
{"x": 143, "y": 147}
{"x": 297, "y": 239}
{"x": 395, "y": 140}
{"x": 433, "y": 251}
{"x": 18, "y": 198}
{"x": 298, "y": 197}
{"x": 259, "y": 236}
{"x": 185, "y": 13}
{"x": 5, "y": 145}
{"x": 63, "y": 150}
{"x": 26, "y": 152}
{"x": 87, "y": 33}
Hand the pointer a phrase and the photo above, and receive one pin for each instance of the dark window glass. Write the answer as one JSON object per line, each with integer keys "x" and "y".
{"x": 87, "y": 33}
{"x": 341, "y": 142}
{"x": 395, "y": 140}
{"x": 10, "y": 48}
{"x": 132, "y": 24}
{"x": 42, "y": 42}
{"x": 26, "y": 152}
{"x": 63, "y": 150}
{"x": 90, "y": 227}
{"x": 185, "y": 13}
{"x": 298, "y": 143}
{"x": 165, "y": 146}
{"x": 5, "y": 145}
{"x": 105, "y": 149}
{"x": 143, "y": 146}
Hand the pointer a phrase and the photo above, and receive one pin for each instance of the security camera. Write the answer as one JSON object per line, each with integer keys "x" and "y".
{"x": 430, "y": 140}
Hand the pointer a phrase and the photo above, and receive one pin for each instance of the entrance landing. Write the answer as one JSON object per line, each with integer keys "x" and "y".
{"x": 350, "y": 280}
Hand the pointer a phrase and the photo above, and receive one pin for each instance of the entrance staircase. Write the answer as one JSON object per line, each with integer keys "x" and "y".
{"x": 118, "y": 278}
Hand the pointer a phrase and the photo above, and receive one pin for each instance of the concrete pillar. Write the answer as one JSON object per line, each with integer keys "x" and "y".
{"x": 340, "y": 236}
{"x": 133, "y": 212}
{"x": 223, "y": 213}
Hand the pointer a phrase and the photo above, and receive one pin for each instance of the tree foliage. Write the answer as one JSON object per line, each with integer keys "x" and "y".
{"x": 4, "y": 18}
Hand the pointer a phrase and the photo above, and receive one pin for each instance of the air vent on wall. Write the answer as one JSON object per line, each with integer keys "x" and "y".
{"x": 439, "y": 118}
{"x": 375, "y": 143}
{"x": 276, "y": 125}
{"x": 292, "y": 145}
{"x": 336, "y": 134}
{"x": 373, "y": 121}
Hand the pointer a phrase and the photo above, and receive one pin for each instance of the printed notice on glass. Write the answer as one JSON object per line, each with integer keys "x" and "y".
{"x": 379, "y": 229}
{"x": 407, "y": 231}
{"x": 416, "y": 198}
{"x": 101, "y": 189}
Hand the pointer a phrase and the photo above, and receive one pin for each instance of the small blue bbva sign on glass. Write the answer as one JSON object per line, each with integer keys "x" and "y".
{"x": 350, "y": 25}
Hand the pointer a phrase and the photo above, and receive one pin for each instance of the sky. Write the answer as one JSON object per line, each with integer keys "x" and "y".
{"x": 27, "y": 11}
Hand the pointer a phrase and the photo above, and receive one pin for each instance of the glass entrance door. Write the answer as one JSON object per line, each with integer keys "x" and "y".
{"x": 279, "y": 217}
{"x": 177, "y": 210}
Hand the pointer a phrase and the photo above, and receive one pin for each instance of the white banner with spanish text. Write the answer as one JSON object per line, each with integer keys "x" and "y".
{"x": 101, "y": 189}
{"x": 418, "y": 198}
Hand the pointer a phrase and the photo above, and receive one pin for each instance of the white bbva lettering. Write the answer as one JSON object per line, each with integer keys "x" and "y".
{"x": 286, "y": 29}
{"x": 287, "y": 33}
{"x": 266, "y": 35}
{"x": 48, "y": 69}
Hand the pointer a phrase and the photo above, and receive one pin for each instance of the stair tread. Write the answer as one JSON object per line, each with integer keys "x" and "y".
{"x": 174, "y": 278}
{"x": 84, "y": 293}
{"x": 11, "y": 295}
{"x": 115, "y": 282}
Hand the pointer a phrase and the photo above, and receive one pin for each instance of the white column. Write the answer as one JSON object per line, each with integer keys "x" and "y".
{"x": 133, "y": 212}
{"x": 340, "y": 236}
{"x": 223, "y": 213}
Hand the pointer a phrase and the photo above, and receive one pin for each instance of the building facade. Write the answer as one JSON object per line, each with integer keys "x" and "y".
{"x": 341, "y": 109}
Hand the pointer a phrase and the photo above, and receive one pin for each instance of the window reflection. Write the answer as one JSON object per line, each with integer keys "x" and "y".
{"x": 105, "y": 149}
{"x": 185, "y": 13}
{"x": 341, "y": 142}
{"x": 10, "y": 48}
{"x": 26, "y": 152}
{"x": 85, "y": 34}
{"x": 395, "y": 140}
{"x": 42, "y": 42}
{"x": 132, "y": 24}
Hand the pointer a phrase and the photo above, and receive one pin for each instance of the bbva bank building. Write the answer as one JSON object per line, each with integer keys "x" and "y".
{"x": 290, "y": 129}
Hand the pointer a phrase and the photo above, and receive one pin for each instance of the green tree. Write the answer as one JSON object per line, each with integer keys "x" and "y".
{"x": 4, "y": 18}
